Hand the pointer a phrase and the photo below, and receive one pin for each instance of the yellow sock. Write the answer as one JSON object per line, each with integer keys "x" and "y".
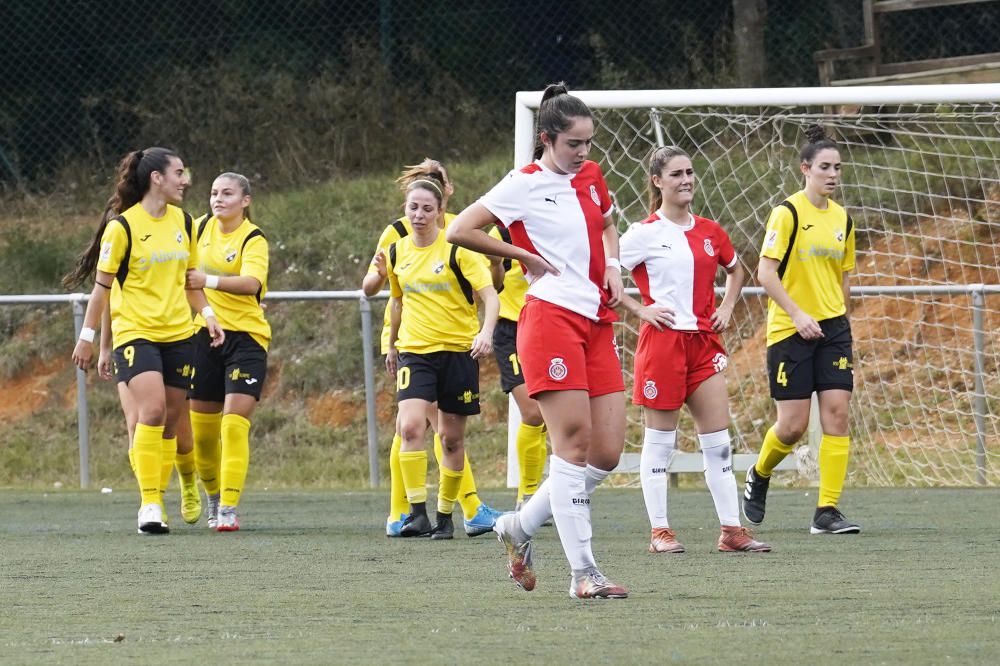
{"x": 543, "y": 454}
{"x": 235, "y": 458}
{"x": 207, "y": 432}
{"x": 772, "y": 452}
{"x": 147, "y": 451}
{"x": 448, "y": 489}
{"x": 167, "y": 462}
{"x": 528, "y": 454}
{"x": 397, "y": 491}
{"x": 833, "y": 454}
{"x": 131, "y": 460}
{"x": 413, "y": 466}
{"x": 185, "y": 468}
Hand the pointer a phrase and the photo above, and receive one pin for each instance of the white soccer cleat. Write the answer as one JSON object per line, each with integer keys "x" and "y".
{"x": 151, "y": 519}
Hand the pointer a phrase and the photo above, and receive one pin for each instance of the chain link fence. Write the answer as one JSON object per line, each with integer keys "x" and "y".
{"x": 299, "y": 90}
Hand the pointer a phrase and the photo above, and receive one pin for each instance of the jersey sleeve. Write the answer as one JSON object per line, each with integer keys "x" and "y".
{"x": 607, "y": 205}
{"x": 475, "y": 267}
{"x": 849, "y": 258}
{"x": 506, "y": 201}
{"x": 255, "y": 259}
{"x": 390, "y": 269}
{"x": 727, "y": 253}
{"x": 777, "y": 233}
{"x": 113, "y": 243}
{"x": 388, "y": 237}
{"x": 631, "y": 247}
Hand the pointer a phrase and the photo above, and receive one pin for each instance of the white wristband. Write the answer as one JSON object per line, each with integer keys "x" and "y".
{"x": 87, "y": 334}
{"x": 207, "y": 312}
{"x": 211, "y": 282}
{"x": 613, "y": 262}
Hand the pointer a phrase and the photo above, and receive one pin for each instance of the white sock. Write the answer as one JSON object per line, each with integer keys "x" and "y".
{"x": 657, "y": 450}
{"x": 718, "y": 456}
{"x": 595, "y": 476}
{"x": 536, "y": 511}
{"x": 571, "y": 512}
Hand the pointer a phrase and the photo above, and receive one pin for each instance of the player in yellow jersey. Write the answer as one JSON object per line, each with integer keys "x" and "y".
{"x": 233, "y": 256}
{"x": 144, "y": 253}
{"x": 479, "y": 517}
{"x": 435, "y": 341}
{"x": 530, "y": 438}
{"x": 805, "y": 263}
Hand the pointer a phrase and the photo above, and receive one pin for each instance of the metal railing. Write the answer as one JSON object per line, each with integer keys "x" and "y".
{"x": 977, "y": 292}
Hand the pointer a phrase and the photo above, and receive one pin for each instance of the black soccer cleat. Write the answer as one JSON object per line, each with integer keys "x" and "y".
{"x": 445, "y": 528}
{"x": 416, "y": 525}
{"x": 829, "y": 520}
{"x": 755, "y": 496}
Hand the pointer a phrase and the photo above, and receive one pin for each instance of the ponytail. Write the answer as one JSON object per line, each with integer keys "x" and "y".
{"x": 817, "y": 140}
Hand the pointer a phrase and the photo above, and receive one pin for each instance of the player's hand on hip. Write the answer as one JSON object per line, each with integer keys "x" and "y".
{"x": 656, "y": 316}
{"x": 807, "y": 327}
{"x": 537, "y": 267}
{"x": 720, "y": 319}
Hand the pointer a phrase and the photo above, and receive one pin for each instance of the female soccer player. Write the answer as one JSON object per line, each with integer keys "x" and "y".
{"x": 805, "y": 262}
{"x": 228, "y": 379}
{"x": 531, "y": 430}
{"x": 146, "y": 250}
{"x": 479, "y": 517}
{"x": 674, "y": 256}
{"x": 558, "y": 211}
{"x": 435, "y": 342}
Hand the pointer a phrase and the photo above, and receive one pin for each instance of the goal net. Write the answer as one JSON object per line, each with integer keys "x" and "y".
{"x": 921, "y": 180}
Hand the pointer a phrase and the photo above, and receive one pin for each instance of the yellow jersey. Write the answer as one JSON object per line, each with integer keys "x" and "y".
{"x": 242, "y": 252}
{"x": 397, "y": 229}
{"x": 437, "y": 284}
{"x": 814, "y": 249}
{"x": 515, "y": 282}
{"x": 148, "y": 257}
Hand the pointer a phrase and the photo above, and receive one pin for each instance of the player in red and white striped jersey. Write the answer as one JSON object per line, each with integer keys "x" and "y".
{"x": 674, "y": 257}
{"x": 558, "y": 212}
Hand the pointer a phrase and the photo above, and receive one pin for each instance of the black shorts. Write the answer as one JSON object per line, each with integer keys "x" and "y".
{"x": 451, "y": 379}
{"x": 797, "y": 367}
{"x": 505, "y": 351}
{"x": 238, "y": 366}
{"x": 173, "y": 360}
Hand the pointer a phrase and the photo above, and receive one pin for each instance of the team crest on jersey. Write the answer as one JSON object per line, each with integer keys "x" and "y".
{"x": 105, "y": 251}
{"x": 438, "y": 267}
{"x": 230, "y": 256}
{"x": 720, "y": 362}
{"x": 650, "y": 390}
{"x": 179, "y": 237}
{"x": 709, "y": 250}
{"x": 594, "y": 195}
{"x": 839, "y": 236}
{"x": 558, "y": 369}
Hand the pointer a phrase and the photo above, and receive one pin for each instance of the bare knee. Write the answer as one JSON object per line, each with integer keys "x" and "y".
{"x": 412, "y": 430}
{"x": 451, "y": 443}
{"x": 791, "y": 432}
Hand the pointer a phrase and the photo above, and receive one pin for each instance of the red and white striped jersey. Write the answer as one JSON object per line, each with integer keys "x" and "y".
{"x": 559, "y": 217}
{"x": 675, "y": 266}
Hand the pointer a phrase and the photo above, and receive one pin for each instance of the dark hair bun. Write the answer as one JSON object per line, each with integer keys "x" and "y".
{"x": 816, "y": 134}
{"x": 554, "y": 89}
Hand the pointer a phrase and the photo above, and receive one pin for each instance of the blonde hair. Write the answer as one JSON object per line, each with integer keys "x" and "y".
{"x": 658, "y": 159}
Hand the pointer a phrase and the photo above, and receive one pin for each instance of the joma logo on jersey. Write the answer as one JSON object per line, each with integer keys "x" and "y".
{"x": 843, "y": 364}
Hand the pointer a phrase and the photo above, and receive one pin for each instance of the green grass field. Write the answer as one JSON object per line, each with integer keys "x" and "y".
{"x": 312, "y": 579}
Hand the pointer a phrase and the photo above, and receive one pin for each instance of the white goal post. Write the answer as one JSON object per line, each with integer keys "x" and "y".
{"x": 921, "y": 181}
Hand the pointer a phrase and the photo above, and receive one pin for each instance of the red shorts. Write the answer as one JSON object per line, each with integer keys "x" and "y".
{"x": 561, "y": 350}
{"x": 670, "y": 365}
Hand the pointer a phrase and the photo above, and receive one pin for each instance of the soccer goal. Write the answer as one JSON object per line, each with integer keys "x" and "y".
{"x": 922, "y": 182}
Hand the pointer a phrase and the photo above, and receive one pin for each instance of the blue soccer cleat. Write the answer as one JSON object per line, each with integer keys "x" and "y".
{"x": 392, "y": 527}
{"x": 483, "y": 521}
